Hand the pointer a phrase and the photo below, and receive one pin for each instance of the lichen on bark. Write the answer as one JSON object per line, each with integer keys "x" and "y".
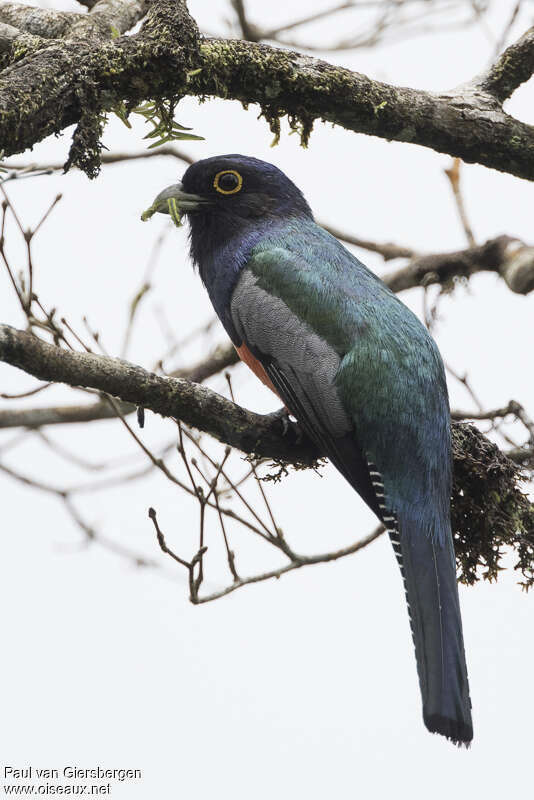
{"x": 489, "y": 510}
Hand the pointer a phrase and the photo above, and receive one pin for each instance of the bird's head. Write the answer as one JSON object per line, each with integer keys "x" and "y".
{"x": 231, "y": 189}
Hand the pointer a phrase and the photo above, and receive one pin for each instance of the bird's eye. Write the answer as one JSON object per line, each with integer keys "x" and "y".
{"x": 228, "y": 182}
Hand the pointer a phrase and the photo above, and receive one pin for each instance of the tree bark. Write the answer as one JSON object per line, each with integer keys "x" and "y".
{"x": 52, "y": 82}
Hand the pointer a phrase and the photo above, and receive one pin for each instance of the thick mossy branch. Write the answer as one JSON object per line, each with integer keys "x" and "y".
{"x": 489, "y": 510}
{"x": 465, "y": 122}
{"x": 74, "y": 81}
{"x": 44, "y": 91}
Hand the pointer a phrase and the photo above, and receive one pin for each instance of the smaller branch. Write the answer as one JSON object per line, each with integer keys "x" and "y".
{"x": 464, "y": 380}
{"x": 44, "y": 22}
{"x": 249, "y": 31}
{"x": 453, "y": 174}
{"x": 161, "y": 540}
{"x": 273, "y": 32}
{"x": 383, "y": 30}
{"x": 296, "y": 562}
{"x": 90, "y": 534}
{"x": 510, "y": 258}
{"x": 523, "y": 456}
{"x": 134, "y": 306}
{"x": 8, "y": 34}
{"x": 45, "y": 216}
{"x": 230, "y": 555}
{"x": 107, "y": 158}
{"x": 265, "y": 533}
{"x": 72, "y": 458}
{"x": 520, "y": 455}
{"x": 512, "y": 408}
{"x": 507, "y": 28}
{"x": 106, "y": 16}
{"x": 29, "y": 393}
{"x": 220, "y": 359}
{"x": 387, "y": 250}
{"x": 512, "y": 68}
{"x": 276, "y": 529}
{"x": 89, "y": 4}
{"x": 160, "y": 464}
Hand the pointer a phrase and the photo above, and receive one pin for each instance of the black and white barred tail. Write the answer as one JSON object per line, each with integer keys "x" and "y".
{"x": 428, "y": 573}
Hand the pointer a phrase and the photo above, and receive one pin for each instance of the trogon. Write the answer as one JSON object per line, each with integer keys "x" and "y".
{"x": 359, "y": 372}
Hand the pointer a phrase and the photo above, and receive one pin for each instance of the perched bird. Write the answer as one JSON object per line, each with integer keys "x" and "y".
{"x": 357, "y": 370}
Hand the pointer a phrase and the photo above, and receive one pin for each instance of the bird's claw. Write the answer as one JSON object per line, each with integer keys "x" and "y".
{"x": 283, "y": 416}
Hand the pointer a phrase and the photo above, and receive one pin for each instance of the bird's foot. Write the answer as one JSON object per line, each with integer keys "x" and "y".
{"x": 283, "y": 415}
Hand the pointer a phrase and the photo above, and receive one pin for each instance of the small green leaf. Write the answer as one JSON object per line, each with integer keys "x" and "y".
{"x": 189, "y": 137}
{"x": 120, "y": 111}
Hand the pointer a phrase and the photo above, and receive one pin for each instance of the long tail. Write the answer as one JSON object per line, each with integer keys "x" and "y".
{"x": 429, "y": 574}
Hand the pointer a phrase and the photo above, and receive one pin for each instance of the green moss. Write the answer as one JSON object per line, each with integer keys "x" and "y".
{"x": 272, "y": 73}
{"x": 24, "y": 45}
{"x": 377, "y": 109}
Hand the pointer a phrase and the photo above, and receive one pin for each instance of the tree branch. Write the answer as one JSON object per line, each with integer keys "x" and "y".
{"x": 44, "y": 22}
{"x": 171, "y": 397}
{"x": 387, "y": 250}
{"x": 51, "y": 24}
{"x": 73, "y": 80}
{"x": 512, "y": 68}
{"x": 508, "y": 257}
{"x": 488, "y": 508}
{"x": 220, "y": 359}
{"x": 107, "y": 158}
{"x": 464, "y": 122}
{"x": 296, "y": 561}
{"x": 166, "y": 59}
{"x": 513, "y": 407}
{"x": 175, "y": 397}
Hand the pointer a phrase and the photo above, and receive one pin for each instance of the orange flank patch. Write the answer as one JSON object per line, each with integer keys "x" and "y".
{"x": 252, "y": 362}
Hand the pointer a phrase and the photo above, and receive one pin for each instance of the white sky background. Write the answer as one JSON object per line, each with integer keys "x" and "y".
{"x": 303, "y": 687}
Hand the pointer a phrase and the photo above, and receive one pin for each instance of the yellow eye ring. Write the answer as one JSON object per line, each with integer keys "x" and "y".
{"x": 236, "y": 188}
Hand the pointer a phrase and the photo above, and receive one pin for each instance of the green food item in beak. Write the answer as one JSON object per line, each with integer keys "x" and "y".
{"x": 174, "y": 211}
{"x": 171, "y": 209}
{"x": 173, "y": 200}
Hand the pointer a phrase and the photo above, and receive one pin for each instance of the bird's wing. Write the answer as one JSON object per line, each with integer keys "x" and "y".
{"x": 302, "y": 367}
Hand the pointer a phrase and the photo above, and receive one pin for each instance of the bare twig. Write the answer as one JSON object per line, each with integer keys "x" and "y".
{"x": 30, "y": 169}
{"x": 296, "y": 562}
{"x": 29, "y": 393}
{"x": 453, "y": 174}
{"x": 513, "y": 407}
{"x": 507, "y": 28}
{"x": 387, "y": 250}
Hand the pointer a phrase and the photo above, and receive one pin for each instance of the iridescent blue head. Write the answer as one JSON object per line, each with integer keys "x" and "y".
{"x": 230, "y": 195}
{"x": 244, "y": 187}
